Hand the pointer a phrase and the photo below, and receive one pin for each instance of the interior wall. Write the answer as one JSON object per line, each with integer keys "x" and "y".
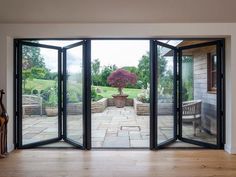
{"x": 10, "y": 31}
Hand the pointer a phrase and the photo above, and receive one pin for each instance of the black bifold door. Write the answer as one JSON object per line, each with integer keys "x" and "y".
{"x": 51, "y": 117}
{"x": 201, "y": 97}
{"x": 187, "y": 94}
{"x": 53, "y": 93}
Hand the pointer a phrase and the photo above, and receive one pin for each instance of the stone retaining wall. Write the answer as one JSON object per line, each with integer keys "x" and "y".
{"x": 99, "y": 106}
{"x": 143, "y": 109}
{"x": 73, "y": 108}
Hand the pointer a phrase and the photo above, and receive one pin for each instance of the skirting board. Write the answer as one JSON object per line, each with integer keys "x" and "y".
{"x": 10, "y": 147}
{"x": 230, "y": 150}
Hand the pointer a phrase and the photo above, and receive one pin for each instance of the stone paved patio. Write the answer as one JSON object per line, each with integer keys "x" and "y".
{"x": 115, "y": 127}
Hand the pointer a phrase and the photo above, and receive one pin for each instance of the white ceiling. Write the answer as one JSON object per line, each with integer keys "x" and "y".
{"x": 98, "y": 11}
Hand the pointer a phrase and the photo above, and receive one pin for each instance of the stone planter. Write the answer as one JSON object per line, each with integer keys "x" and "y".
{"x": 74, "y": 108}
{"x": 51, "y": 112}
{"x": 99, "y": 106}
{"x": 128, "y": 102}
{"x": 96, "y": 107}
{"x": 143, "y": 109}
{"x": 120, "y": 100}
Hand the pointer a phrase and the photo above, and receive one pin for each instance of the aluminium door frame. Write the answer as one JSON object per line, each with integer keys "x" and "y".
{"x": 86, "y": 80}
{"x": 220, "y": 95}
{"x": 18, "y": 91}
{"x": 17, "y": 98}
{"x": 153, "y": 94}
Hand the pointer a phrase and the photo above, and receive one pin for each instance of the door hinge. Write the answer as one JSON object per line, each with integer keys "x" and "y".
{"x": 222, "y": 113}
{"x": 177, "y": 77}
{"x": 62, "y": 77}
{"x": 222, "y": 76}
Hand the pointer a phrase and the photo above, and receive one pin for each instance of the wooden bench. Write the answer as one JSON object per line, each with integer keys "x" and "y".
{"x": 32, "y": 101}
{"x": 191, "y": 112}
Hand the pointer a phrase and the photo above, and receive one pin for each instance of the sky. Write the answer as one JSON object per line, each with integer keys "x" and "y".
{"x": 119, "y": 52}
{"x": 109, "y": 52}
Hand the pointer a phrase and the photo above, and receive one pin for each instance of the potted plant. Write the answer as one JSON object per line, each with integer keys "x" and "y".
{"x": 51, "y": 104}
{"x": 120, "y": 78}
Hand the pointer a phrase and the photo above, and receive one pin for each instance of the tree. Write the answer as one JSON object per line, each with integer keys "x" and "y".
{"x": 33, "y": 65}
{"x": 144, "y": 68}
{"x": 120, "y": 78}
{"x": 31, "y": 73}
{"x": 187, "y": 77}
{"x": 31, "y": 55}
{"x": 106, "y": 71}
{"x": 95, "y": 66}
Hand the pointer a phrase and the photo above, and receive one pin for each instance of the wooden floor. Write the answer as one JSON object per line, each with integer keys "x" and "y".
{"x": 119, "y": 163}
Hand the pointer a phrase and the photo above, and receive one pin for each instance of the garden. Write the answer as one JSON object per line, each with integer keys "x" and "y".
{"x": 128, "y": 85}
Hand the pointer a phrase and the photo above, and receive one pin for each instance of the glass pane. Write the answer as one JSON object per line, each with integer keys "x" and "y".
{"x": 199, "y": 106}
{"x": 165, "y": 94}
{"x": 39, "y": 94}
{"x": 75, "y": 94}
{"x": 214, "y": 79}
{"x": 120, "y": 119}
{"x": 214, "y": 58}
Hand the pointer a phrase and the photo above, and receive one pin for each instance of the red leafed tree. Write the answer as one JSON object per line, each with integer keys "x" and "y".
{"x": 120, "y": 78}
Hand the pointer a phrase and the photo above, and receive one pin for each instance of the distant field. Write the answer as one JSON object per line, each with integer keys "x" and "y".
{"x": 106, "y": 92}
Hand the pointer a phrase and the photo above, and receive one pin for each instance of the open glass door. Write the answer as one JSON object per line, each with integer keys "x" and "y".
{"x": 73, "y": 86}
{"x": 166, "y": 56}
{"x": 200, "y": 94}
{"x": 38, "y": 86}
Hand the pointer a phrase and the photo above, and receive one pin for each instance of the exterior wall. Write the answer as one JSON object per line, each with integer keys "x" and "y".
{"x": 200, "y": 88}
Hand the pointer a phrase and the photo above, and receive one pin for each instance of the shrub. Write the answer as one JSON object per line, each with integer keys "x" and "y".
{"x": 52, "y": 98}
{"x": 94, "y": 95}
{"x": 144, "y": 95}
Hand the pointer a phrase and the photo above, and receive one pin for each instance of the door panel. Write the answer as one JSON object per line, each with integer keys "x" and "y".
{"x": 39, "y": 115}
{"x": 200, "y": 84}
{"x": 166, "y": 94}
{"x": 74, "y": 94}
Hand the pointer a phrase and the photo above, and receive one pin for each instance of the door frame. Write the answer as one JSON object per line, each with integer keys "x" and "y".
{"x": 153, "y": 94}
{"x": 219, "y": 44}
{"x": 86, "y": 44}
{"x": 18, "y": 96}
{"x": 87, "y": 84}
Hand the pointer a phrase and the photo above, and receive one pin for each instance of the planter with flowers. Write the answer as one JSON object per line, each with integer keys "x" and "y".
{"x": 121, "y": 78}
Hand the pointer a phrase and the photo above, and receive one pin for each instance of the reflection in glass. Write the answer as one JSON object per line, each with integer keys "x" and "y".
{"x": 165, "y": 93}
{"x": 75, "y": 94}
{"x": 199, "y": 120}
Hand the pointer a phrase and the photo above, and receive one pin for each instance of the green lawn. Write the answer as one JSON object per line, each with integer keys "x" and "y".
{"x": 39, "y": 84}
{"x": 106, "y": 92}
